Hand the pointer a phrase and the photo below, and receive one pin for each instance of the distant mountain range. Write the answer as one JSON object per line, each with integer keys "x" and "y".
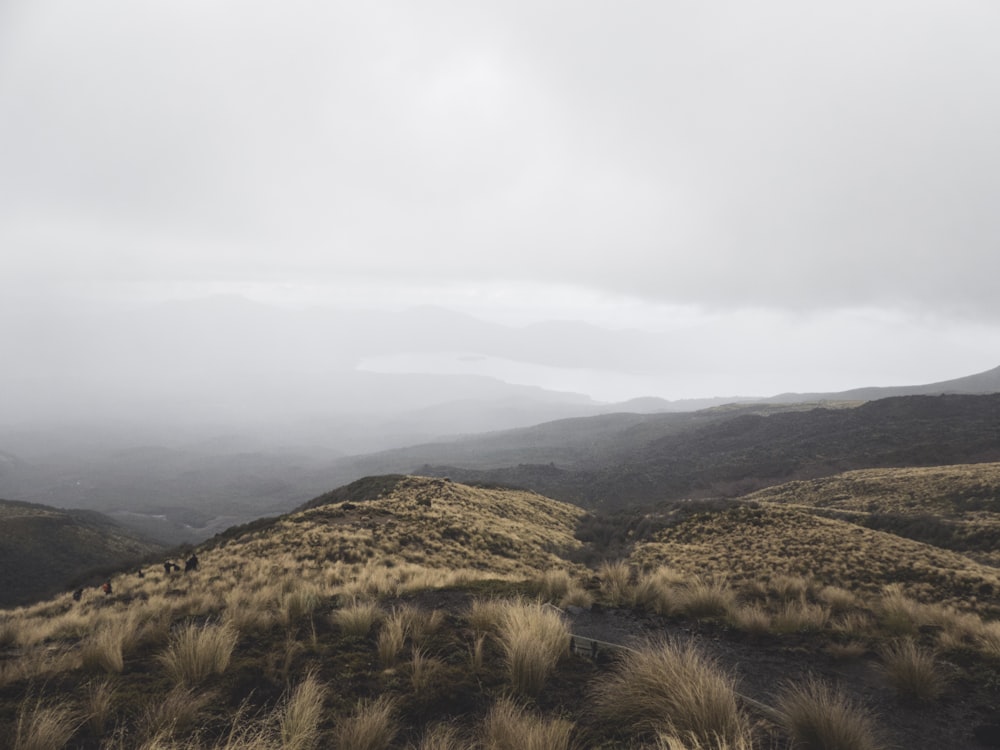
{"x": 569, "y": 447}
{"x": 624, "y": 460}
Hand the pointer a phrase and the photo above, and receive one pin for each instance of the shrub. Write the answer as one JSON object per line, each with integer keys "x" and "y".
{"x": 509, "y": 727}
{"x": 196, "y": 652}
{"x": 819, "y": 717}
{"x": 912, "y": 671}
{"x": 672, "y": 688}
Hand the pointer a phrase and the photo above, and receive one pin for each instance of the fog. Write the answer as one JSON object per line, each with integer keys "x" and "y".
{"x": 332, "y": 228}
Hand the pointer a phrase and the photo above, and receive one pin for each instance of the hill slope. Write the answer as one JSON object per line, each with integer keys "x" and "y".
{"x": 627, "y": 460}
{"x": 43, "y": 550}
{"x": 381, "y": 601}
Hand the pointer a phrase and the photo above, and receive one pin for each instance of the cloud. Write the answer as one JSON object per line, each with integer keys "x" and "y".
{"x": 732, "y": 155}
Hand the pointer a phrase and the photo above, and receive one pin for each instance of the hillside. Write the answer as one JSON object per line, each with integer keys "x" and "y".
{"x": 44, "y": 550}
{"x": 403, "y": 612}
{"x": 952, "y": 507}
{"x": 622, "y": 461}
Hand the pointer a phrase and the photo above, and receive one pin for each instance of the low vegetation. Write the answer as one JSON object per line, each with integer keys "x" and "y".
{"x": 430, "y": 615}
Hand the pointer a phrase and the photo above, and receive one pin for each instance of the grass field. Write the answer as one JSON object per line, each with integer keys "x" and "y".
{"x": 422, "y": 617}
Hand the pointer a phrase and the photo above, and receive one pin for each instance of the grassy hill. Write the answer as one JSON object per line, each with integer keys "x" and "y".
{"x": 416, "y": 612}
{"x": 44, "y": 550}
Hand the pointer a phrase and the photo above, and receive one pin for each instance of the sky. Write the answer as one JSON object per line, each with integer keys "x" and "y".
{"x": 791, "y": 196}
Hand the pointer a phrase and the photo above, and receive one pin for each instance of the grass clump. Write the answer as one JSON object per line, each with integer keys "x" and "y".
{"x": 913, "y": 671}
{"x": 533, "y": 638}
{"x": 44, "y": 726}
{"x": 508, "y": 726}
{"x": 301, "y": 714}
{"x": 819, "y": 717}
{"x": 372, "y": 727}
{"x": 674, "y": 689}
{"x": 615, "y": 577}
{"x": 357, "y": 618}
{"x": 197, "y": 651}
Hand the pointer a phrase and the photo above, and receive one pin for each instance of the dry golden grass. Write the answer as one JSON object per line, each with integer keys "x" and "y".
{"x": 962, "y": 495}
{"x": 98, "y": 705}
{"x": 674, "y": 689}
{"x": 175, "y": 713}
{"x": 391, "y": 638}
{"x": 615, "y": 577}
{"x": 533, "y": 638}
{"x": 441, "y": 737}
{"x": 509, "y": 726}
{"x": 357, "y": 618}
{"x": 44, "y": 726}
{"x": 913, "y": 671}
{"x": 802, "y": 552}
{"x": 300, "y": 716}
{"x": 197, "y": 651}
{"x": 820, "y": 717}
{"x": 371, "y": 727}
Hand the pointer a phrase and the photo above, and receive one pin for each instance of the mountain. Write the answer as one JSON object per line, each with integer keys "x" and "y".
{"x": 618, "y": 461}
{"x": 45, "y": 550}
{"x": 980, "y": 383}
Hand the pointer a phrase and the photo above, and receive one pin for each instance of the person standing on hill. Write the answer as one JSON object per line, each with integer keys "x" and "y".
{"x": 192, "y": 563}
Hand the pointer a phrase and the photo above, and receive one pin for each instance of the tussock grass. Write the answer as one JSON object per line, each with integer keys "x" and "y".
{"x": 798, "y": 615}
{"x": 706, "y": 598}
{"x": 486, "y": 615}
{"x": 372, "y": 727}
{"x": 358, "y": 618}
{"x": 300, "y": 716}
{"x": 419, "y": 624}
{"x": 174, "y": 713}
{"x": 441, "y": 737}
{"x": 913, "y": 671}
{"x": 508, "y": 726}
{"x": 674, "y": 689}
{"x": 837, "y": 599}
{"x": 752, "y": 618}
{"x": 691, "y": 742}
{"x": 391, "y": 639}
{"x": 197, "y": 651}
{"x": 423, "y": 668}
{"x": 533, "y": 638}
{"x": 98, "y": 703}
{"x": 615, "y": 577}
{"x": 44, "y": 725}
{"x": 657, "y": 591}
{"x": 300, "y": 602}
{"x": 820, "y": 717}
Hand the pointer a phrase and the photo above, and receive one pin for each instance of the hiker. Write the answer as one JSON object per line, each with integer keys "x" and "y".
{"x": 192, "y": 563}
{"x": 140, "y": 573}
{"x": 106, "y": 588}
{"x": 77, "y": 594}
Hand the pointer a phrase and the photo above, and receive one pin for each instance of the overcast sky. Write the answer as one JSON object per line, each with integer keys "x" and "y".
{"x": 805, "y": 195}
